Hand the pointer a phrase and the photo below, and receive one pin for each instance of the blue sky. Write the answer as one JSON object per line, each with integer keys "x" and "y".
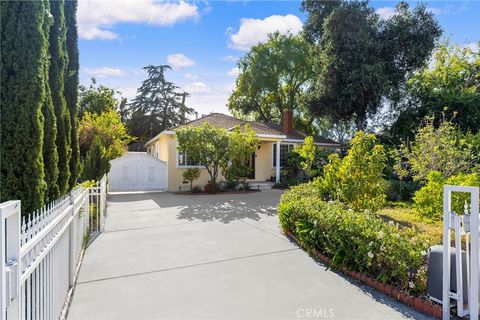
{"x": 202, "y": 40}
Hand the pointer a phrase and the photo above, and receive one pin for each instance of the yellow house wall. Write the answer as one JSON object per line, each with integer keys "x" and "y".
{"x": 264, "y": 161}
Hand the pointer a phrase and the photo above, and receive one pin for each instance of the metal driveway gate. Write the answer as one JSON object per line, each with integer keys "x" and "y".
{"x": 138, "y": 171}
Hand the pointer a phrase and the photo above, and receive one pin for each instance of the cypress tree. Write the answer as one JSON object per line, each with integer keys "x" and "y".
{"x": 71, "y": 87}
{"x": 50, "y": 154}
{"x": 24, "y": 47}
{"x": 58, "y": 65}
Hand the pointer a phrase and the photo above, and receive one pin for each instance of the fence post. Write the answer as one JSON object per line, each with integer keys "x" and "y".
{"x": 72, "y": 249}
{"x": 10, "y": 264}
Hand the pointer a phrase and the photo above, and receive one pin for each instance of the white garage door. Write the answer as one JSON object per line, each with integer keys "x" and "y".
{"x": 137, "y": 171}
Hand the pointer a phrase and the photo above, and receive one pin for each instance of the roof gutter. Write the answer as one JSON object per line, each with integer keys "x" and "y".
{"x": 164, "y": 132}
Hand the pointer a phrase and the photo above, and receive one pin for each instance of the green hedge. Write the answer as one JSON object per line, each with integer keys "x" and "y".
{"x": 360, "y": 241}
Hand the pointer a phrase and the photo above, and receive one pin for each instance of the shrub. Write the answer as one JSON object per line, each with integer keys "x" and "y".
{"x": 196, "y": 189}
{"x": 211, "y": 187}
{"x": 304, "y": 162}
{"x": 357, "y": 179}
{"x": 359, "y": 241}
{"x": 245, "y": 185}
{"x": 444, "y": 149}
{"x": 428, "y": 201}
{"x": 191, "y": 174}
{"x": 401, "y": 190}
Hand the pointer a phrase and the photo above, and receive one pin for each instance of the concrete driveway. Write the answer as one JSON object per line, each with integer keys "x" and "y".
{"x": 165, "y": 256}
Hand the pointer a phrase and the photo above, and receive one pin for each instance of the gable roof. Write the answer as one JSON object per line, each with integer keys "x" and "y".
{"x": 261, "y": 128}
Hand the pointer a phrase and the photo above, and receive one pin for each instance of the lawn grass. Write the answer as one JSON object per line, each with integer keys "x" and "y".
{"x": 402, "y": 213}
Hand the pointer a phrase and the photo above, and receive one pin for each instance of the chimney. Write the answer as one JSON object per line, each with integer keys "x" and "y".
{"x": 287, "y": 121}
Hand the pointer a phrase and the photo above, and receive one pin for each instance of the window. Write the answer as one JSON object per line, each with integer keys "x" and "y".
{"x": 183, "y": 161}
{"x": 285, "y": 148}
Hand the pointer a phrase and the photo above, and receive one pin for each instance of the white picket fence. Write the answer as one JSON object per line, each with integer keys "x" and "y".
{"x": 40, "y": 253}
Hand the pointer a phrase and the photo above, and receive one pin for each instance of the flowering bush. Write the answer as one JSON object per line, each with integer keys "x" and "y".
{"x": 360, "y": 241}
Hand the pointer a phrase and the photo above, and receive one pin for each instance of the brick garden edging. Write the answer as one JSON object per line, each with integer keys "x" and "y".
{"x": 421, "y": 305}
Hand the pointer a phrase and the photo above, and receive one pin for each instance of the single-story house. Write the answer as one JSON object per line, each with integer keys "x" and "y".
{"x": 275, "y": 141}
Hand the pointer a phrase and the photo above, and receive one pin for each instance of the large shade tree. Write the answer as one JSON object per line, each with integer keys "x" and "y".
{"x": 157, "y": 106}
{"x": 360, "y": 60}
{"x": 273, "y": 77}
{"x": 24, "y": 46}
{"x": 449, "y": 88}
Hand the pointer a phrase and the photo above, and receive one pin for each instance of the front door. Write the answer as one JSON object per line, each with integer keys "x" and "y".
{"x": 252, "y": 166}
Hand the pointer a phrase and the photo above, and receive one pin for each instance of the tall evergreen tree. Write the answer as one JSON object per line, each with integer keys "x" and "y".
{"x": 157, "y": 106}
{"x": 71, "y": 86}
{"x": 50, "y": 154}
{"x": 58, "y": 65}
{"x": 24, "y": 47}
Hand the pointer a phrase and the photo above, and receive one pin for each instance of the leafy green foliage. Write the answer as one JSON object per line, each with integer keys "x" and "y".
{"x": 58, "y": 67}
{"x": 242, "y": 144}
{"x": 96, "y": 99}
{"x": 50, "y": 154}
{"x": 448, "y": 88}
{"x": 217, "y": 149}
{"x": 360, "y": 59}
{"x": 359, "y": 241}
{"x": 308, "y": 154}
{"x": 24, "y": 46}
{"x": 206, "y": 144}
{"x": 401, "y": 190}
{"x": 428, "y": 201}
{"x": 71, "y": 87}
{"x": 96, "y": 163}
{"x": 158, "y": 105}
{"x": 444, "y": 149}
{"x": 105, "y": 136}
{"x": 357, "y": 179}
{"x": 191, "y": 174}
{"x": 273, "y": 77}
{"x": 304, "y": 163}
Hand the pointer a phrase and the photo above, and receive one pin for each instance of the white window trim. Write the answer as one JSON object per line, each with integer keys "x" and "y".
{"x": 185, "y": 166}
{"x": 273, "y": 150}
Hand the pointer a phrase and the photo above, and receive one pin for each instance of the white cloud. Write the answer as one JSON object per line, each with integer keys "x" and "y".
{"x": 229, "y": 58}
{"x": 234, "y": 72}
{"x": 472, "y": 46}
{"x": 127, "y": 92}
{"x": 254, "y": 31}
{"x": 104, "y": 72}
{"x": 191, "y": 76}
{"x": 438, "y": 11}
{"x": 96, "y": 17}
{"x": 196, "y": 87}
{"x": 385, "y": 12}
{"x": 179, "y": 60}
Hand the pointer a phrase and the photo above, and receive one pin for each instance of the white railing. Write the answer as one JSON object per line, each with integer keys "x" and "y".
{"x": 464, "y": 225}
{"x": 40, "y": 252}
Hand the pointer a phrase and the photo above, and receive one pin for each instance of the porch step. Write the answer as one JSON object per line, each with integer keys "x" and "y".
{"x": 262, "y": 185}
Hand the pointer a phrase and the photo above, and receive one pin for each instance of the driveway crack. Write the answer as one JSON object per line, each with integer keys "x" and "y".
{"x": 187, "y": 266}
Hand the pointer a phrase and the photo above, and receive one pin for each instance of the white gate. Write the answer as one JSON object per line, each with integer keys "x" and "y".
{"x": 137, "y": 171}
{"x": 464, "y": 225}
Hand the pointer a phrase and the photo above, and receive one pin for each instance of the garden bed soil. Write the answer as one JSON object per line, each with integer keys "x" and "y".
{"x": 188, "y": 193}
{"x": 421, "y": 305}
